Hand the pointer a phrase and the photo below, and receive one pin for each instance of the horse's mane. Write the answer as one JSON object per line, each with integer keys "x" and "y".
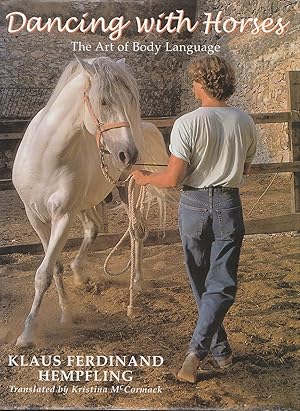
{"x": 72, "y": 70}
{"x": 114, "y": 81}
{"x": 114, "y": 85}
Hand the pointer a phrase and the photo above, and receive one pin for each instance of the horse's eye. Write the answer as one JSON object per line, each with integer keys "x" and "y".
{"x": 104, "y": 103}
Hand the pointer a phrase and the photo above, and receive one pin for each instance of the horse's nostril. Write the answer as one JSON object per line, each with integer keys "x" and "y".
{"x": 128, "y": 158}
{"x": 122, "y": 156}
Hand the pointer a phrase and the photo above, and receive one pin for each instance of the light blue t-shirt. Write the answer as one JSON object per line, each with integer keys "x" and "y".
{"x": 216, "y": 142}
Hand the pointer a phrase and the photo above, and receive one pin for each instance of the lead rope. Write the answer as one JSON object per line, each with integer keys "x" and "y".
{"x": 133, "y": 209}
{"x": 138, "y": 232}
{"x": 104, "y": 167}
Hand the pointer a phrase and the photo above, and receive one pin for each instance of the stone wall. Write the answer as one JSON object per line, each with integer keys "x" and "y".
{"x": 37, "y": 59}
{"x": 261, "y": 61}
{"x": 31, "y": 63}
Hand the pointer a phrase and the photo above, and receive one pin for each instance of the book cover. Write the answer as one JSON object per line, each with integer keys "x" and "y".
{"x": 103, "y": 358}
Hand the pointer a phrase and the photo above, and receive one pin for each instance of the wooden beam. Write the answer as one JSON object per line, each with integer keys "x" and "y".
{"x": 263, "y": 118}
{"x": 269, "y": 168}
{"x": 259, "y": 118}
{"x": 102, "y": 242}
{"x": 11, "y": 136}
{"x": 278, "y": 224}
{"x": 160, "y": 122}
{"x": 6, "y": 184}
{"x": 13, "y": 126}
{"x": 293, "y": 81}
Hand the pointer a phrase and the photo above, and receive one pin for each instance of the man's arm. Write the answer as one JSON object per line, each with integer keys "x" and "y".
{"x": 170, "y": 177}
{"x": 251, "y": 149}
{"x": 247, "y": 167}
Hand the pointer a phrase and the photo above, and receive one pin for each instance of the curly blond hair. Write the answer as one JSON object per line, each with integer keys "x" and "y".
{"x": 215, "y": 74}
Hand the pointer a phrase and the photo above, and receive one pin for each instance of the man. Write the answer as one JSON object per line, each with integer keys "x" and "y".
{"x": 211, "y": 148}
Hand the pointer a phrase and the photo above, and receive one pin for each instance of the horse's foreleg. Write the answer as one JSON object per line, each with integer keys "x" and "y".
{"x": 66, "y": 316}
{"x": 43, "y": 278}
{"x": 92, "y": 223}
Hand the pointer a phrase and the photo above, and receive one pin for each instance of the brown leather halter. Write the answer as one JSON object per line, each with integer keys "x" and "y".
{"x": 101, "y": 127}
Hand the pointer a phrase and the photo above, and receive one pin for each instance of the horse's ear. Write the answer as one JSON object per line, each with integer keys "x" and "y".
{"x": 85, "y": 65}
{"x": 121, "y": 61}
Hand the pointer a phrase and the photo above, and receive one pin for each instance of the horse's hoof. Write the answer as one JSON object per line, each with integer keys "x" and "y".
{"x": 66, "y": 319}
{"x": 81, "y": 282}
{"x": 138, "y": 286}
{"x": 23, "y": 342}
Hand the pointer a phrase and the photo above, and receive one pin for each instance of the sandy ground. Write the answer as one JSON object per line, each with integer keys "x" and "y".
{"x": 262, "y": 325}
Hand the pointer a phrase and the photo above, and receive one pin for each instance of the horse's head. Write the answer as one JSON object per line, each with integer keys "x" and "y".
{"x": 113, "y": 94}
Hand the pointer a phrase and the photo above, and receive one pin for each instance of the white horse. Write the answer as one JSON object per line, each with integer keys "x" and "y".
{"x": 57, "y": 173}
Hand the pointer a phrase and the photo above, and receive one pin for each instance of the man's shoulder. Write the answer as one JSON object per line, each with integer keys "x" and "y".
{"x": 201, "y": 114}
{"x": 188, "y": 118}
{"x": 242, "y": 114}
{"x": 245, "y": 122}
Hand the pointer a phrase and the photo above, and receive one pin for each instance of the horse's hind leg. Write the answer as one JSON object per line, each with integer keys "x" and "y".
{"x": 43, "y": 278}
{"x": 92, "y": 223}
{"x": 66, "y": 316}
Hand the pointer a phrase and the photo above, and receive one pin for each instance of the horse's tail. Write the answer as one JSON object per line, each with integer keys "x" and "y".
{"x": 162, "y": 197}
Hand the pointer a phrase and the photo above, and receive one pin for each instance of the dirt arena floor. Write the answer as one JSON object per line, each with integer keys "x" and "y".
{"x": 262, "y": 325}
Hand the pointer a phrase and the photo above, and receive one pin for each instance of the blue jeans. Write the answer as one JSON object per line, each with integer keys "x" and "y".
{"x": 212, "y": 229}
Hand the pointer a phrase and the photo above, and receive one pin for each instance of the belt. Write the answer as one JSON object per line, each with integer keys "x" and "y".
{"x": 212, "y": 188}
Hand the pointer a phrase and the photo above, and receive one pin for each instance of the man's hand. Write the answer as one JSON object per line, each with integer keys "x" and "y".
{"x": 172, "y": 175}
{"x": 141, "y": 177}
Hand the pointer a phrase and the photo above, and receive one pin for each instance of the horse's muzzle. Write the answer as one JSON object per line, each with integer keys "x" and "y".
{"x": 128, "y": 158}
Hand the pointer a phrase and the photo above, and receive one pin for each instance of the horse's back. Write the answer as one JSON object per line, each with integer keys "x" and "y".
{"x": 155, "y": 148}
